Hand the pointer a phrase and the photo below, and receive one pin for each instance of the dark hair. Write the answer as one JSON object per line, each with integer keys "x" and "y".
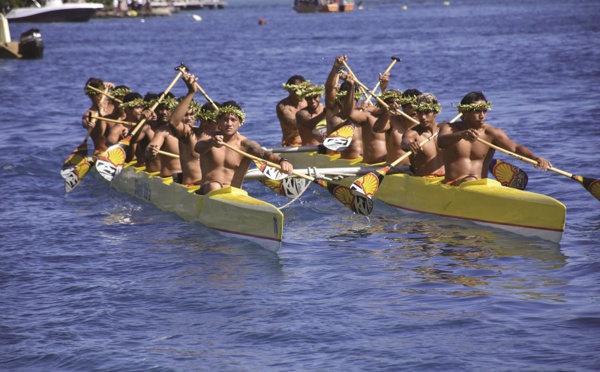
{"x": 344, "y": 87}
{"x": 411, "y": 93}
{"x": 131, "y": 96}
{"x": 233, "y": 104}
{"x": 150, "y": 96}
{"x": 209, "y": 107}
{"x": 293, "y": 79}
{"x": 95, "y": 82}
{"x": 473, "y": 97}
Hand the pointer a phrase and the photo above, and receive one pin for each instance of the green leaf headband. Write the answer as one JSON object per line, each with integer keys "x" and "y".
{"x": 120, "y": 92}
{"x": 135, "y": 103}
{"x": 407, "y": 100}
{"x": 201, "y": 113}
{"x": 312, "y": 90}
{"x": 341, "y": 94}
{"x": 89, "y": 92}
{"x": 232, "y": 110}
{"x": 170, "y": 102}
{"x": 390, "y": 94}
{"x": 296, "y": 88}
{"x": 425, "y": 106}
{"x": 474, "y": 107}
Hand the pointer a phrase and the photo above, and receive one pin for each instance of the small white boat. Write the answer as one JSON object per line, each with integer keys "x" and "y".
{"x": 54, "y": 11}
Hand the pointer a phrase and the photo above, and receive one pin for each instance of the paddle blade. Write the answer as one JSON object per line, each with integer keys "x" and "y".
{"x": 340, "y": 139}
{"x": 590, "y": 184}
{"x": 508, "y": 174}
{"x": 357, "y": 203}
{"x": 75, "y": 158}
{"x": 368, "y": 184}
{"x": 290, "y": 187}
{"x": 77, "y": 173}
{"x": 270, "y": 172}
{"x": 110, "y": 163}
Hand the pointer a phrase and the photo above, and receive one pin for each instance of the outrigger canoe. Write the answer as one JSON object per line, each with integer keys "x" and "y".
{"x": 484, "y": 202}
{"x": 229, "y": 211}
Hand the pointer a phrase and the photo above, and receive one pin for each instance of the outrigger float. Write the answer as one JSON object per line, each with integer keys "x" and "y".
{"x": 229, "y": 211}
{"x": 485, "y": 202}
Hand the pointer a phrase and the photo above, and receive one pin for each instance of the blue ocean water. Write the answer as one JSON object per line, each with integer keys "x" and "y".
{"x": 98, "y": 280}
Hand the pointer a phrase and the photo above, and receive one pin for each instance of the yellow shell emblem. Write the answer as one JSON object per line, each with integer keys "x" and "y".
{"x": 82, "y": 169}
{"x": 344, "y": 195}
{"x": 345, "y": 132}
{"x": 504, "y": 173}
{"x": 116, "y": 156}
{"x": 369, "y": 183}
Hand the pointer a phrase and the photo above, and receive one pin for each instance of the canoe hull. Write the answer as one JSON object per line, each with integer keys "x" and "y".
{"x": 484, "y": 202}
{"x": 229, "y": 211}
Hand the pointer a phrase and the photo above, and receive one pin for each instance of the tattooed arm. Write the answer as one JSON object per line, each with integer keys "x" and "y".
{"x": 253, "y": 148}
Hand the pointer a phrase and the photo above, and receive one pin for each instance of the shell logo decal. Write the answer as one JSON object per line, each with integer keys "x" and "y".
{"x": 367, "y": 184}
{"x": 345, "y": 132}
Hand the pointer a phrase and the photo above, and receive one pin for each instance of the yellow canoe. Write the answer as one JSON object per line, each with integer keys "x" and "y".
{"x": 484, "y": 202}
{"x": 229, "y": 211}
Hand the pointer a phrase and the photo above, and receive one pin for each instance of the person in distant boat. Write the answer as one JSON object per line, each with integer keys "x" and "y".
{"x": 223, "y": 167}
{"x": 426, "y": 160}
{"x": 335, "y": 116}
{"x": 395, "y": 125}
{"x": 311, "y": 121}
{"x": 466, "y": 159}
{"x": 288, "y": 107}
{"x": 182, "y": 124}
{"x": 373, "y": 143}
{"x": 102, "y": 128}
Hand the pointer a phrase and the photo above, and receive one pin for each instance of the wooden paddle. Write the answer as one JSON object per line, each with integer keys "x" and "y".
{"x": 280, "y": 150}
{"x": 590, "y": 184}
{"x": 105, "y": 93}
{"x": 109, "y": 120}
{"x": 356, "y": 203}
{"x": 369, "y": 183}
{"x": 76, "y": 157}
{"x": 508, "y": 175}
{"x": 381, "y": 102}
{"x": 80, "y": 153}
{"x": 394, "y": 61}
{"x": 340, "y": 139}
{"x": 110, "y": 162}
{"x": 76, "y": 174}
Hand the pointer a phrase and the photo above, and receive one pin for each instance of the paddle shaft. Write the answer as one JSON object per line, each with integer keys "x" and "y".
{"x": 169, "y": 154}
{"x": 105, "y": 93}
{"x": 522, "y": 158}
{"x": 206, "y": 96}
{"x": 129, "y": 123}
{"x": 394, "y": 61}
{"x": 363, "y": 88}
{"x": 367, "y": 90}
{"x": 270, "y": 164}
{"x": 141, "y": 123}
{"x": 397, "y": 161}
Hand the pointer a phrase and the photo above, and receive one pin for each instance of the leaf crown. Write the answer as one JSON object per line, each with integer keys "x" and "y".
{"x": 232, "y": 110}
{"x": 474, "y": 107}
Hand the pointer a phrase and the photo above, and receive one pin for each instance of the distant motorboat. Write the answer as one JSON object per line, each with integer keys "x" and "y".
{"x": 324, "y": 6}
{"x": 54, "y": 11}
{"x": 30, "y": 45}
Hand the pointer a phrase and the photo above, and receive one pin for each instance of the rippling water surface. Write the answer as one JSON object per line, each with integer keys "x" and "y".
{"x": 98, "y": 280}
